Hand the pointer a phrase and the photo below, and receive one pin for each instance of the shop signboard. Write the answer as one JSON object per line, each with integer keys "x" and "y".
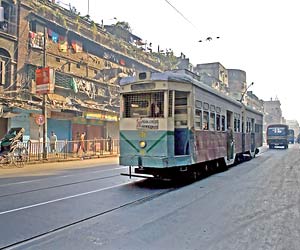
{"x": 44, "y": 80}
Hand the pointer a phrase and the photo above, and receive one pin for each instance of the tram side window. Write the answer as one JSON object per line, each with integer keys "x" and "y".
{"x": 237, "y": 123}
{"x": 205, "y": 123}
{"x": 252, "y": 126}
{"x": 248, "y": 127}
{"x": 218, "y": 122}
{"x": 258, "y": 128}
{"x": 223, "y": 123}
{"x": 157, "y": 104}
{"x": 198, "y": 118}
{"x": 212, "y": 121}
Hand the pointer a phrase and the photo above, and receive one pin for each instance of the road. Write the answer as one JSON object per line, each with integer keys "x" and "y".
{"x": 254, "y": 205}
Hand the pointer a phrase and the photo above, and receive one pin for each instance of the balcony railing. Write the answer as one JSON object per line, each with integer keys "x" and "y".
{"x": 96, "y": 33}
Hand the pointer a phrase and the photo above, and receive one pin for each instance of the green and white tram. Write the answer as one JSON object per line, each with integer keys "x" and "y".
{"x": 172, "y": 124}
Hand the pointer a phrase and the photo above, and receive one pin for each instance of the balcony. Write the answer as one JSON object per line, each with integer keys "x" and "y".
{"x": 93, "y": 31}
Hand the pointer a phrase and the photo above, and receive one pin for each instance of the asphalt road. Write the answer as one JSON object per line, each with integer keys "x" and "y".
{"x": 254, "y": 205}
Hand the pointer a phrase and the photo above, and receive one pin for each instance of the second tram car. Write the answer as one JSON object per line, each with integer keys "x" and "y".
{"x": 173, "y": 124}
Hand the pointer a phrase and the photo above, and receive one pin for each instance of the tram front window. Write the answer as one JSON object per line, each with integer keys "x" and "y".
{"x": 144, "y": 105}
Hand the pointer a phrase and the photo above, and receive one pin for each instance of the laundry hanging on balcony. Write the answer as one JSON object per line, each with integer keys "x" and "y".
{"x": 77, "y": 46}
{"x": 36, "y": 40}
{"x": 63, "y": 44}
{"x": 73, "y": 85}
{"x": 53, "y": 35}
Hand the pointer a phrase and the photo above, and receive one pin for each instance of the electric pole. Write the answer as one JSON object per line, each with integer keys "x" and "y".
{"x": 44, "y": 109}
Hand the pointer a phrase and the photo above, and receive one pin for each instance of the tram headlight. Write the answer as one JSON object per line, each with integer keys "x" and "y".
{"x": 142, "y": 144}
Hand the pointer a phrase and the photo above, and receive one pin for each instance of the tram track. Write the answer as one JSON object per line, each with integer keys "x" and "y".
{"x": 146, "y": 198}
{"x": 61, "y": 185}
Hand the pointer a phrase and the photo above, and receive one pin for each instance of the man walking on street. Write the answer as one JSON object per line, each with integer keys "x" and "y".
{"x": 53, "y": 142}
{"x": 81, "y": 143}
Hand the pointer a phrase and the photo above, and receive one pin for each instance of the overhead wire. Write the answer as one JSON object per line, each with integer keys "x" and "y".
{"x": 208, "y": 39}
{"x": 181, "y": 14}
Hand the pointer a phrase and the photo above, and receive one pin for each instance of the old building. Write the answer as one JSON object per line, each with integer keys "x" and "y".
{"x": 213, "y": 74}
{"x": 8, "y": 55}
{"x": 231, "y": 82}
{"x": 293, "y": 124}
{"x": 237, "y": 83}
{"x": 86, "y": 61}
{"x": 253, "y": 101}
{"x": 273, "y": 114}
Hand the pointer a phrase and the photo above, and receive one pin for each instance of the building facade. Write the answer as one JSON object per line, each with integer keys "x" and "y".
{"x": 87, "y": 63}
{"x": 214, "y": 75}
{"x": 293, "y": 124}
{"x": 237, "y": 83}
{"x": 272, "y": 114}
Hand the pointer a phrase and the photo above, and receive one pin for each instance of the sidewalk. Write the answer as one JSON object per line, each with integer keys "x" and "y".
{"x": 42, "y": 167}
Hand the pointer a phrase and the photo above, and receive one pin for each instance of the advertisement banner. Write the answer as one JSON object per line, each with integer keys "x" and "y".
{"x": 44, "y": 80}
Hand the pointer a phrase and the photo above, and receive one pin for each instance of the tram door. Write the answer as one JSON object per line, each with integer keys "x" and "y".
{"x": 181, "y": 132}
{"x": 230, "y": 137}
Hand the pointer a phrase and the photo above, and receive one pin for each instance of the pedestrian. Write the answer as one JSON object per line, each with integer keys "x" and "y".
{"x": 109, "y": 144}
{"x": 81, "y": 142}
{"x": 53, "y": 142}
{"x": 78, "y": 135}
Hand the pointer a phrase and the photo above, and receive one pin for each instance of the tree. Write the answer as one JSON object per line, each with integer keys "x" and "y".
{"x": 123, "y": 25}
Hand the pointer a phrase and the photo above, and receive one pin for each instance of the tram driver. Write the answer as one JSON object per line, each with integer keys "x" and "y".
{"x": 154, "y": 109}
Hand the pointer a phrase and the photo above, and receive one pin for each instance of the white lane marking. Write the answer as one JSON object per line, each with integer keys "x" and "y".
{"x": 64, "y": 198}
{"x": 62, "y": 176}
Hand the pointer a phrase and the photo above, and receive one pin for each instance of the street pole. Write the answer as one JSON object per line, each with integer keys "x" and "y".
{"x": 242, "y": 97}
{"x": 44, "y": 109}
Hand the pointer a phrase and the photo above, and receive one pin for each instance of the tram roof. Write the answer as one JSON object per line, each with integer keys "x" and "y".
{"x": 177, "y": 76}
{"x": 183, "y": 76}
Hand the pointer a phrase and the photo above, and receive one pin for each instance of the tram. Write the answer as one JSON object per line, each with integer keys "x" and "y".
{"x": 172, "y": 124}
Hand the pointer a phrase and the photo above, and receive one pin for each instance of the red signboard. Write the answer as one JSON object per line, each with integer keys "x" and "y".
{"x": 43, "y": 79}
{"x": 40, "y": 120}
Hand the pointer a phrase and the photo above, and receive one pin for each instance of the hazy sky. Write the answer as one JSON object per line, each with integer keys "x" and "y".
{"x": 260, "y": 37}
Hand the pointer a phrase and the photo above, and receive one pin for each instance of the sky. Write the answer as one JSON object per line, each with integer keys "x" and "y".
{"x": 261, "y": 37}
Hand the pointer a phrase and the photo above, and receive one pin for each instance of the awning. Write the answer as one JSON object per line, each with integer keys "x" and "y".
{"x": 56, "y": 97}
{"x": 9, "y": 114}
